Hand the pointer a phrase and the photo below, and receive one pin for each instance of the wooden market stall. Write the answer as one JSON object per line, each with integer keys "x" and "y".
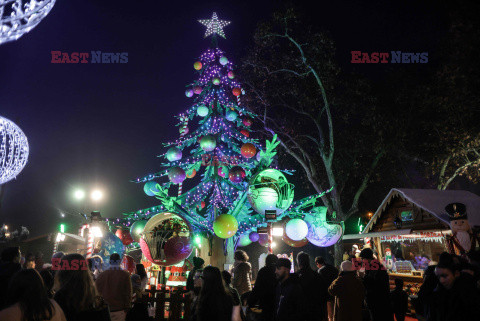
{"x": 408, "y": 231}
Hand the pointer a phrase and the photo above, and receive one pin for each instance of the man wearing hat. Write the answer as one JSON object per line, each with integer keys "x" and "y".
{"x": 463, "y": 239}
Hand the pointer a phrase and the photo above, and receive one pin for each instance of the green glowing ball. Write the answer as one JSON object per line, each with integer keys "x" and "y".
{"x": 231, "y": 115}
{"x": 225, "y": 226}
{"x": 208, "y": 143}
{"x": 223, "y": 60}
{"x": 244, "y": 240}
{"x": 216, "y": 81}
{"x": 136, "y": 229}
{"x": 174, "y": 154}
{"x": 202, "y": 110}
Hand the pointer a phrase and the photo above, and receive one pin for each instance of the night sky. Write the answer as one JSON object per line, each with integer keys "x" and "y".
{"x": 102, "y": 125}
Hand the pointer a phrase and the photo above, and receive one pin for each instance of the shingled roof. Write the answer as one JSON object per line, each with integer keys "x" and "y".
{"x": 432, "y": 201}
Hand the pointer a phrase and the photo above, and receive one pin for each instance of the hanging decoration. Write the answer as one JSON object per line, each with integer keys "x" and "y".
{"x": 20, "y": 16}
{"x": 254, "y": 236}
{"x": 231, "y": 74}
{"x": 13, "y": 149}
{"x": 208, "y": 143}
{"x": 248, "y": 150}
{"x": 236, "y": 91}
{"x": 174, "y": 154}
{"x": 124, "y": 236}
{"x": 189, "y": 93}
{"x": 247, "y": 122}
{"x": 236, "y": 174}
{"x": 263, "y": 239}
{"x": 225, "y": 226}
{"x": 244, "y": 240}
{"x": 202, "y": 110}
{"x": 296, "y": 229}
{"x": 128, "y": 264}
{"x": 150, "y": 188}
{"x": 176, "y": 174}
{"x": 197, "y": 65}
{"x": 166, "y": 239}
{"x": 223, "y": 60}
{"x": 231, "y": 115}
{"x": 108, "y": 245}
{"x": 137, "y": 229}
{"x": 293, "y": 243}
{"x": 197, "y": 90}
{"x": 320, "y": 232}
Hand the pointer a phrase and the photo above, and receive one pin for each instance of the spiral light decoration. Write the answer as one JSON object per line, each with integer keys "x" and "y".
{"x": 17, "y": 17}
{"x": 13, "y": 150}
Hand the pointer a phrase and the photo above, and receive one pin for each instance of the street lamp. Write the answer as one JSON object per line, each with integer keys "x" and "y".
{"x": 79, "y": 194}
{"x": 96, "y": 195}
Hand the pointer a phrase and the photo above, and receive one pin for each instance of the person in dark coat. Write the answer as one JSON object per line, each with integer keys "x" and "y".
{"x": 377, "y": 288}
{"x": 314, "y": 289}
{"x": 329, "y": 273}
{"x": 399, "y": 300}
{"x": 289, "y": 299}
{"x": 456, "y": 297}
{"x": 349, "y": 293}
{"x": 425, "y": 294}
{"x": 263, "y": 292}
{"x": 198, "y": 263}
{"x": 8, "y": 267}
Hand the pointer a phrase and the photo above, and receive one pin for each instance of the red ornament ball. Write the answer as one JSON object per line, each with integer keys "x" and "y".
{"x": 124, "y": 236}
{"x": 247, "y": 122}
{"x": 248, "y": 150}
{"x": 236, "y": 174}
{"x": 202, "y": 204}
{"x": 236, "y": 91}
{"x": 197, "y": 90}
{"x": 197, "y": 65}
{"x": 245, "y": 133}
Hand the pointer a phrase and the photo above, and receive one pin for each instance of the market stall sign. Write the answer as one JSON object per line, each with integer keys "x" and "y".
{"x": 420, "y": 236}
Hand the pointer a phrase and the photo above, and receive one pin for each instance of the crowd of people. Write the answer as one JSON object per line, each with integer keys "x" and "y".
{"x": 31, "y": 292}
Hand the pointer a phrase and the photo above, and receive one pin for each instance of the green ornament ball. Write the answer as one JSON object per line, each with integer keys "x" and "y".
{"x": 174, "y": 154}
{"x": 216, "y": 81}
{"x": 202, "y": 110}
{"x": 208, "y": 143}
{"x": 225, "y": 226}
{"x": 136, "y": 229}
{"x": 223, "y": 60}
{"x": 231, "y": 115}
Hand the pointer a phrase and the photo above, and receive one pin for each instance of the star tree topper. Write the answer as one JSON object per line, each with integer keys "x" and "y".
{"x": 214, "y": 26}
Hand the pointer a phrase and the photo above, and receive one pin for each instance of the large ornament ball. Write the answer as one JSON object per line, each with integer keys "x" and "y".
{"x": 296, "y": 229}
{"x": 125, "y": 236}
{"x": 189, "y": 93}
{"x": 225, "y": 226}
{"x": 176, "y": 175}
{"x": 236, "y": 91}
{"x": 208, "y": 143}
{"x": 244, "y": 240}
{"x": 236, "y": 174}
{"x": 320, "y": 232}
{"x": 216, "y": 81}
{"x": 174, "y": 154}
{"x": 247, "y": 122}
{"x": 231, "y": 74}
{"x": 263, "y": 239}
{"x": 254, "y": 236}
{"x": 231, "y": 115}
{"x": 136, "y": 229}
{"x": 167, "y": 239}
{"x": 128, "y": 264}
{"x": 223, "y": 60}
{"x": 197, "y": 90}
{"x": 248, "y": 150}
{"x": 293, "y": 243}
{"x": 197, "y": 65}
{"x": 150, "y": 188}
{"x": 202, "y": 110}
{"x": 245, "y": 133}
{"x": 192, "y": 173}
{"x": 109, "y": 244}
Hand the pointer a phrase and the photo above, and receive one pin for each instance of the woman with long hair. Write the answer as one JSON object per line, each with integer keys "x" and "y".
{"x": 215, "y": 302}
{"x": 140, "y": 269}
{"x": 28, "y": 300}
{"x": 242, "y": 273}
{"x": 76, "y": 293}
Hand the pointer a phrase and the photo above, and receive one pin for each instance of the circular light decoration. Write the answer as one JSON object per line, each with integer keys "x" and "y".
{"x": 254, "y": 236}
{"x": 167, "y": 239}
{"x": 320, "y": 232}
{"x": 189, "y": 93}
{"x": 150, "y": 188}
{"x": 208, "y": 143}
{"x": 197, "y": 90}
{"x": 174, "y": 154}
{"x": 13, "y": 150}
{"x": 202, "y": 110}
{"x": 296, "y": 229}
{"x": 225, "y": 226}
{"x": 176, "y": 175}
{"x": 248, "y": 150}
{"x": 223, "y": 60}
{"x": 197, "y": 65}
{"x": 236, "y": 91}
{"x": 244, "y": 240}
{"x": 19, "y": 17}
{"x": 137, "y": 229}
{"x": 270, "y": 190}
{"x": 231, "y": 115}
{"x": 231, "y": 74}
{"x": 236, "y": 174}
{"x": 216, "y": 81}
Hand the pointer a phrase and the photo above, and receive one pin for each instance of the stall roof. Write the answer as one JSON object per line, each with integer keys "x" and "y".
{"x": 432, "y": 201}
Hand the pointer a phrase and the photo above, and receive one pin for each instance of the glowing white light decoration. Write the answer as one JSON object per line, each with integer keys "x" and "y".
{"x": 13, "y": 150}
{"x": 17, "y": 17}
{"x": 214, "y": 26}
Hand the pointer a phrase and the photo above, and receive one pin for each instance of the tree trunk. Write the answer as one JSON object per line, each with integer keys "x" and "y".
{"x": 338, "y": 253}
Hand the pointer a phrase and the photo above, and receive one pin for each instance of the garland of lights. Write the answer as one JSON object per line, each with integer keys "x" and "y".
{"x": 13, "y": 150}
{"x": 17, "y": 17}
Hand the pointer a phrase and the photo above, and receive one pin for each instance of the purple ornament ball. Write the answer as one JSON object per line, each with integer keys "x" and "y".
{"x": 254, "y": 236}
